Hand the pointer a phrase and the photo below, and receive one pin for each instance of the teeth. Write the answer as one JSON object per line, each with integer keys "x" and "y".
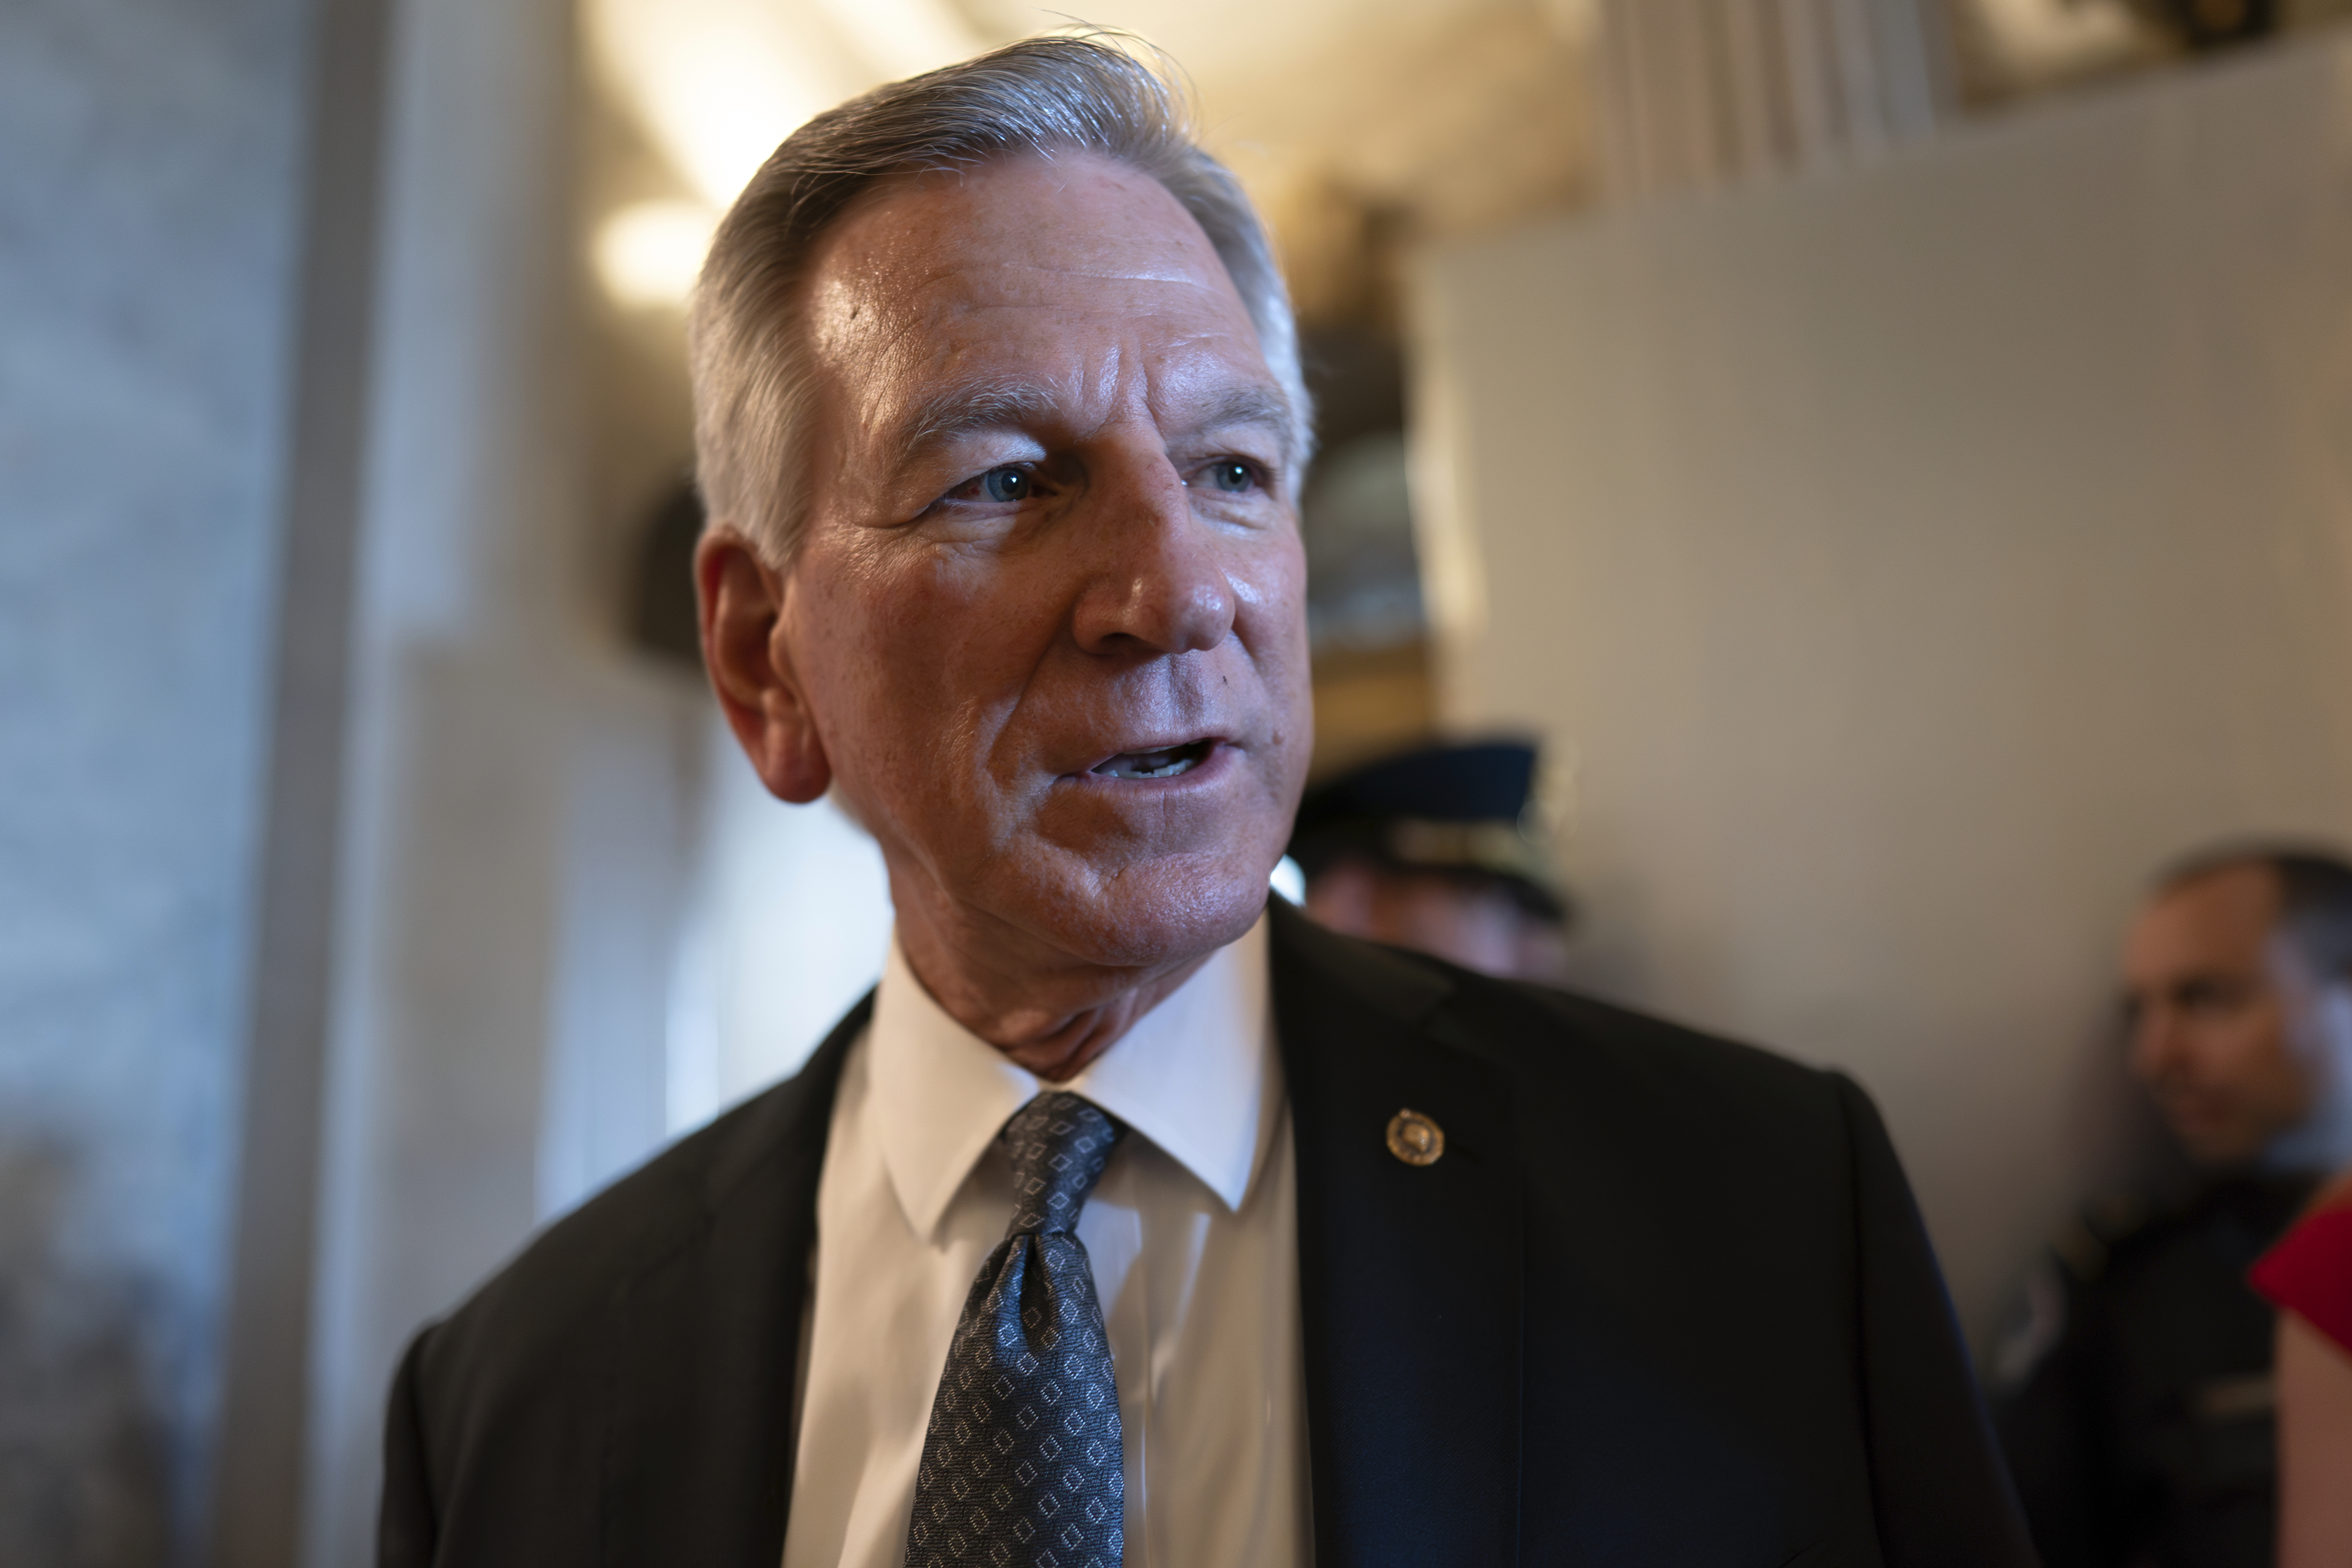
{"x": 1164, "y": 764}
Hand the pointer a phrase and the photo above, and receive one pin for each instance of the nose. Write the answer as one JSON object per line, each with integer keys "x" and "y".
{"x": 1160, "y": 586}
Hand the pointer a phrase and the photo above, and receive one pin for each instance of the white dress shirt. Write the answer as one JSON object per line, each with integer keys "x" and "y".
{"x": 1192, "y": 1235}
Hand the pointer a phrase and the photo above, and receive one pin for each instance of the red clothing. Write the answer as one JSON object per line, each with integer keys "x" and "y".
{"x": 2309, "y": 1272}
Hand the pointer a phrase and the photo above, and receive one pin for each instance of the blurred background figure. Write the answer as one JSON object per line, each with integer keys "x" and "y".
{"x": 1442, "y": 850}
{"x": 2138, "y": 1414}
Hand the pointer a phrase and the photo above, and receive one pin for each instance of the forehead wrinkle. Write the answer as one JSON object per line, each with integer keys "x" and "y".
{"x": 910, "y": 321}
{"x": 900, "y": 312}
{"x": 964, "y": 284}
{"x": 1187, "y": 277}
{"x": 1150, "y": 298}
{"x": 941, "y": 316}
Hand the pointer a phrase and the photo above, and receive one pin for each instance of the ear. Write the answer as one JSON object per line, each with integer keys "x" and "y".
{"x": 741, "y": 601}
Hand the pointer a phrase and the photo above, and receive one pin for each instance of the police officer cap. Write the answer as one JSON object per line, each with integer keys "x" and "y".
{"x": 1456, "y": 809}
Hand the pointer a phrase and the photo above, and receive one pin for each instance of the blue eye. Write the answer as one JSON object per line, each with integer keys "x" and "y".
{"x": 1231, "y": 478}
{"x": 1007, "y": 485}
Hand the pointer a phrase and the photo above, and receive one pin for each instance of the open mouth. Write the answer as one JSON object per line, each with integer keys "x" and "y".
{"x": 1164, "y": 764}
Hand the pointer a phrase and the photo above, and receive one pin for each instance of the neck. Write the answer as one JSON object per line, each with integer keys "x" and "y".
{"x": 1050, "y": 1011}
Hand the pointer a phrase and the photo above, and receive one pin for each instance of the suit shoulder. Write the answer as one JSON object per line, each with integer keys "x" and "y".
{"x": 1545, "y": 1031}
{"x": 534, "y": 1311}
{"x": 1546, "y": 1038}
{"x": 1650, "y": 1129}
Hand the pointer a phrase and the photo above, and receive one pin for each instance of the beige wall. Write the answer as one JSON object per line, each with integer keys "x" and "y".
{"x": 1907, "y": 560}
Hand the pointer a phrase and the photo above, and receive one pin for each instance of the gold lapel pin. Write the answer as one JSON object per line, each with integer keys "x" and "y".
{"x": 1416, "y": 1139}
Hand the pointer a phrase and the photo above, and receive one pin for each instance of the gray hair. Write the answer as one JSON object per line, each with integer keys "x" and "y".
{"x": 752, "y": 374}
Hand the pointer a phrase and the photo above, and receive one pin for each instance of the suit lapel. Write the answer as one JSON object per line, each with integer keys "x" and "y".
{"x": 697, "y": 1454}
{"x": 1410, "y": 1276}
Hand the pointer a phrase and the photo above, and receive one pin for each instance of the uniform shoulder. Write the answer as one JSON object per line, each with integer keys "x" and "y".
{"x": 2120, "y": 1222}
{"x": 2103, "y": 1244}
{"x": 2215, "y": 1215}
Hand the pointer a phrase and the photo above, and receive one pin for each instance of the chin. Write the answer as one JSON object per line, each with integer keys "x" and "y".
{"x": 1158, "y": 912}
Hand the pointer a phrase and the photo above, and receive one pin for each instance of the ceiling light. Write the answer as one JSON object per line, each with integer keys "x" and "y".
{"x": 903, "y": 37}
{"x": 648, "y": 254}
{"x": 720, "y": 82}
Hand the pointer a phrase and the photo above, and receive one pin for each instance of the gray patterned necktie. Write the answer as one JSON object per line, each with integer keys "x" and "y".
{"x": 1022, "y": 1462}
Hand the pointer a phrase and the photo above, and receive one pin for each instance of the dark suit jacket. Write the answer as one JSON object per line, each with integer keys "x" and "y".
{"x": 1663, "y": 1300}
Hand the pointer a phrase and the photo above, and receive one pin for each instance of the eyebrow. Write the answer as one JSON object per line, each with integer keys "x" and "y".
{"x": 961, "y": 410}
{"x": 954, "y": 411}
{"x": 1252, "y": 405}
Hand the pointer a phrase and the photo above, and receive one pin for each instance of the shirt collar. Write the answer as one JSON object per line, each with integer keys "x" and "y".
{"x": 1196, "y": 1075}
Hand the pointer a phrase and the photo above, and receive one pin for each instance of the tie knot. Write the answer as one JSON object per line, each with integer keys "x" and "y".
{"x": 1058, "y": 1144}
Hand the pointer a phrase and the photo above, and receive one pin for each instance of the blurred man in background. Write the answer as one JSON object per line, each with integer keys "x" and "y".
{"x": 2138, "y": 1403}
{"x": 1437, "y": 850}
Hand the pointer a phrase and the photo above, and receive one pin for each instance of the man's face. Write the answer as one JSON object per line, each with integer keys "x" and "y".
{"x": 2221, "y": 1014}
{"x": 1048, "y": 615}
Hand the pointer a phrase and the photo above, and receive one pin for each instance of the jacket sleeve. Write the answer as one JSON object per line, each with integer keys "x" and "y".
{"x": 407, "y": 1529}
{"x": 1941, "y": 1494}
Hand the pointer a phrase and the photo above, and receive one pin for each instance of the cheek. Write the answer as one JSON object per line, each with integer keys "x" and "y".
{"x": 1271, "y": 576}
{"x": 1270, "y": 601}
{"x": 2279, "y": 1059}
{"x": 978, "y": 630}
{"x": 2231, "y": 1051}
{"x": 930, "y": 650}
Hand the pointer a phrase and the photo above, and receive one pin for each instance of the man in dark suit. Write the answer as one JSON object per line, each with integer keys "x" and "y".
{"x": 1131, "y": 1220}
